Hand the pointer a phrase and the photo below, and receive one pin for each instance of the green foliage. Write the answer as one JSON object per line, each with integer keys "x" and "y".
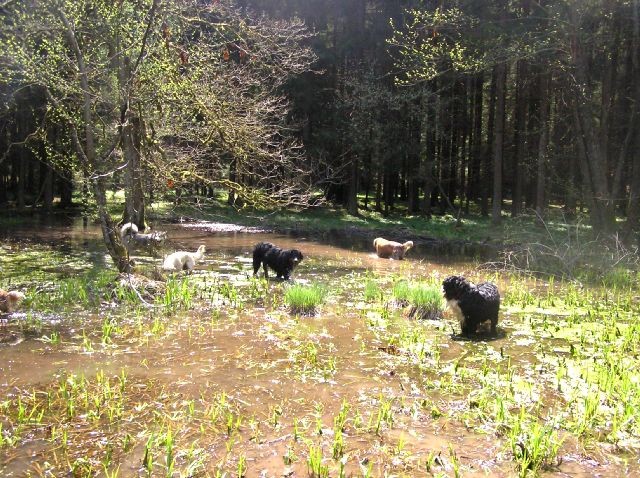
{"x": 534, "y": 445}
{"x": 437, "y": 41}
{"x": 425, "y": 300}
{"x": 303, "y": 299}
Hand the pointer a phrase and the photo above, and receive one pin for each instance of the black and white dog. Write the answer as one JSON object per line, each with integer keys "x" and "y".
{"x": 473, "y": 304}
{"x": 282, "y": 261}
{"x": 132, "y": 239}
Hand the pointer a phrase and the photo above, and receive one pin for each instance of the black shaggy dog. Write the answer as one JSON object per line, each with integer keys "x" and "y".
{"x": 474, "y": 304}
{"x": 282, "y": 261}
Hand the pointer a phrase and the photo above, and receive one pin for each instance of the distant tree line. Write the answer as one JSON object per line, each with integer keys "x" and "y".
{"x": 492, "y": 106}
{"x": 417, "y": 107}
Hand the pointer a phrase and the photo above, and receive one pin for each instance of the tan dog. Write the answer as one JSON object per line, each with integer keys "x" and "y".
{"x": 10, "y": 300}
{"x": 391, "y": 249}
{"x": 183, "y": 260}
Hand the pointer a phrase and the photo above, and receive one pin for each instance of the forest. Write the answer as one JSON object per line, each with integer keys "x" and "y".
{"x": 314, "y": 238}
{"x": 493, "y": 108}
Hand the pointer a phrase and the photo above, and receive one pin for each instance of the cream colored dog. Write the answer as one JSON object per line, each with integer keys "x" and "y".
{"x": 391, "y": 249}
{"x": 182, "y": 260}
{"x": 10, "y": 300}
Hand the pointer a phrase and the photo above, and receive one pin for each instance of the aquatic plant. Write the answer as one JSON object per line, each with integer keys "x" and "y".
{"x": 178, "y": 294}
{"x": 400, "y": 292}
{"x": 534, "y": 445}
{"x": 314, "y": 463}
{"x": 304, "y": 300}
{"x": 372, "y": 291}
{"x": 426, "y": 302}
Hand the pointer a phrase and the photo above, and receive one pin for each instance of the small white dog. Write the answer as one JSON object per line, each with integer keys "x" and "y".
{"x": 182, "y": 260}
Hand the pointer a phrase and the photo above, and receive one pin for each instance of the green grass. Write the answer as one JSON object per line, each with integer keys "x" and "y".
{"x": 425, "y": 300}
{"x": 304, "y": 300}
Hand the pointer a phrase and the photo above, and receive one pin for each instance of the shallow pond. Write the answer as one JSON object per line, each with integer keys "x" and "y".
{"x": 218, "y": 378}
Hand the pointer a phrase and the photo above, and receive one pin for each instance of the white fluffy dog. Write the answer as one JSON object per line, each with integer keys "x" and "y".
{"x": 182, "y": 260}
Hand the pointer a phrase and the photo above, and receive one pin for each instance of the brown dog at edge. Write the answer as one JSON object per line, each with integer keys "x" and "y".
{"x": 9, "y": 300}
{"x": 391, "y": 249}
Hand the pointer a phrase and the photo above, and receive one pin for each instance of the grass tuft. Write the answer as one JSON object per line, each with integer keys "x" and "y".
{"x": 304, "y": 300}
{"x": 425, "y": 300}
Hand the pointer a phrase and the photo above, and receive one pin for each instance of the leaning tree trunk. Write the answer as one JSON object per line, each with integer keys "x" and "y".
{"x": 87, "y": 154}
{"x": 109, "y": 228}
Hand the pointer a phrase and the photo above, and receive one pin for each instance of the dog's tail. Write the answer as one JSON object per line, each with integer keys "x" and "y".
{"x": 128, "y": 229}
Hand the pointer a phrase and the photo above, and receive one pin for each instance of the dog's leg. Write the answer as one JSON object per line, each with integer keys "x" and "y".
{"x": 264, "y": 265}
{"x": 494, "y": 324}
{"x": 256, "y": 265}
{"x": 467, "y": 329}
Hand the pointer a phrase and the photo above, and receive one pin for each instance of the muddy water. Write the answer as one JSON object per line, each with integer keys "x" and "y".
{"x": 275, "y": 370}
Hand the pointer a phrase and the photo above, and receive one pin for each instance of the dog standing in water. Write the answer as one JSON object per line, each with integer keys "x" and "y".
{"x": 391, "y": 249}
{"x": 473, "y": 304}
{"x": 182, "y": 260}
{"x": 283, "y": 261}
{"x": 132, "y": 239}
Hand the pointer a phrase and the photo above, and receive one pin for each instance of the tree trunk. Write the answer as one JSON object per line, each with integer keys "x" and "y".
{"x": 603, "y": 213}
{"x": 476, "y": 142}
{"x": 110, "y": 231}
{"x": 87, "y": 156}
{"x": 487, "y": 156}
{"x": 65, "y": 186}
{"x": 519, "y": 139}
{"x": 134, "y": 210}
{"x": 352, "y": 198}
{"x": 545, "y": 94}
{"x": 413, "y": 159}
{"x": 429, "y": 153}
{"x": 498, "y": 140}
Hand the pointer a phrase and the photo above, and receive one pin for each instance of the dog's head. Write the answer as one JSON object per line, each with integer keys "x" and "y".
{"x": 455, "y": 287}
{"x": 400, "y": 251}
{"x": 294, "y": 257}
